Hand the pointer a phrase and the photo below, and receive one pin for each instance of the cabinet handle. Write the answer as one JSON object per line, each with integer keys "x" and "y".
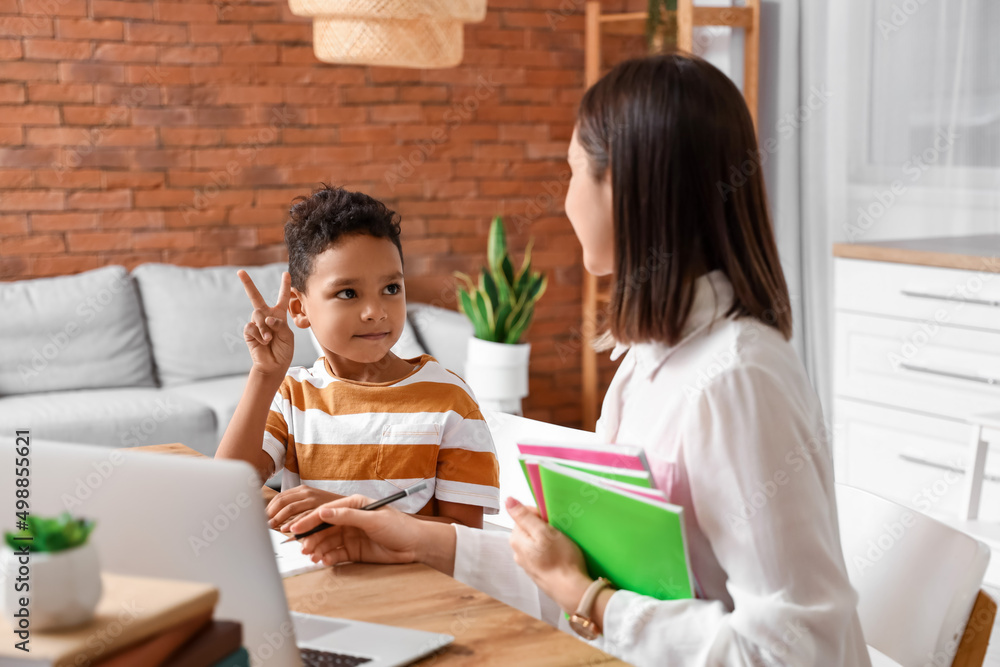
{"x": 920, "y": 460}
{"x": 950, "y": 374}
{"x": 945, "y": 297}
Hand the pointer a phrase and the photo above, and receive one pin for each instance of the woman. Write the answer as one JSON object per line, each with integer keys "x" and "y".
{"x": 709, "y": 387}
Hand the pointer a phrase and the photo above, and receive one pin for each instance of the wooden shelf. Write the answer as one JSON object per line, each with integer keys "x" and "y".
{"x": 634, "y": 23}
{"x": 627, "y": 16}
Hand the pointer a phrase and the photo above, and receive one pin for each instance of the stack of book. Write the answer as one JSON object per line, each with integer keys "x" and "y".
{"x": 140, "y": 621}
{"x": 605, "y": 500}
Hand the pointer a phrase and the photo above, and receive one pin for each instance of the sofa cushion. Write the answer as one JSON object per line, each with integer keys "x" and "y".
{"x": 73, "y": 332}
{"x": 125, "y": 417}
{"x": 196, "y": 317}
{"x": 221, "y": 395}
{"x": 443, "y": 333}
{"x": 408, "y": 346}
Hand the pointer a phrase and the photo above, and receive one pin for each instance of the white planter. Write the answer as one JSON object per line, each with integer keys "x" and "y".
{"x": 498, "y": 373}
{"x": 65, "y": 586}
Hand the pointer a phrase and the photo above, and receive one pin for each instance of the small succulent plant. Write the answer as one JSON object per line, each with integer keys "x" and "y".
{"x": 51, "y": 535}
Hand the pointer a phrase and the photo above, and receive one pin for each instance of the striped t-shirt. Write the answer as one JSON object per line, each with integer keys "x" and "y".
{"x": 346, "y": 436}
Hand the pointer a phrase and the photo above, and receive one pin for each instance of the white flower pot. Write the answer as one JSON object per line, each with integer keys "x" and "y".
{"x": 498, "y": 374}
{"x": 65, "y": 586}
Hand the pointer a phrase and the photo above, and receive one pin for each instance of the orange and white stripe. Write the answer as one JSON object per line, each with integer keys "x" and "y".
{"x": 350, "y": 437}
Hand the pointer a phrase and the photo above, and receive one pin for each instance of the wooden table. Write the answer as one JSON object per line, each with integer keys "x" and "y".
{"x": 487, "y": 631}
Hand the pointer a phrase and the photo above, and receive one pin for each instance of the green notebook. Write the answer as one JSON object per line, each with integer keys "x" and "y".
{"x": 635, "y": 541}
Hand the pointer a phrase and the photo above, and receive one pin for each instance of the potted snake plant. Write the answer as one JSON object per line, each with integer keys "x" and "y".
{"x": 65, "y": 578}
{"x": 500, "y": 306}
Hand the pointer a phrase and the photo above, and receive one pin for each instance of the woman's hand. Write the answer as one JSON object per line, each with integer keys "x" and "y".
{"x": 550, "y": 558}
{"x": 376, "y": 536}
{"x": 267, "y": 334}
{"x": 293, "y": 502}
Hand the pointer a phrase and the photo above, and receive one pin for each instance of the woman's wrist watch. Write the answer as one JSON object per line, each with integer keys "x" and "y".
{"x": 581, "y": 621}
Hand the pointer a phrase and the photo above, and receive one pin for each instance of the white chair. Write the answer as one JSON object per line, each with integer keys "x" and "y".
{"x": 918, "y": 582}
{"x": 975, "y": 470}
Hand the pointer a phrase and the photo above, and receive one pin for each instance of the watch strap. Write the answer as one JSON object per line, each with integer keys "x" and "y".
{"x": 587, "y": 601}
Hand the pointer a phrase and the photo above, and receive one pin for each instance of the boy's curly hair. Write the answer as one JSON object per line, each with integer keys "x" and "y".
{"x": 320, "y": 220}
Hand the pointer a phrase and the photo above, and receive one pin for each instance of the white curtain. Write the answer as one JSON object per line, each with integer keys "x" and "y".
{"x": 798, "y": 100}
{"x": 887, "y": 118}
{"x": 923, "y": 121}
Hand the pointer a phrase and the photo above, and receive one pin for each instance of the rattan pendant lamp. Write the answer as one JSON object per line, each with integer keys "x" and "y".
{"x": 394, "y": 33}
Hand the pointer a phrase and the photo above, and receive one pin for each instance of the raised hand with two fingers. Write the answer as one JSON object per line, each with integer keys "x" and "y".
{"x": 267, "y": 334}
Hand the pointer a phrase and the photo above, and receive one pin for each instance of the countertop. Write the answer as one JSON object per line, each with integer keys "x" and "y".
{"x": 979, "y": 253}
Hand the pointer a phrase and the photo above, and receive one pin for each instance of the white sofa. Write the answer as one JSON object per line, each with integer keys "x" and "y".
{"x": 153, "y": 356}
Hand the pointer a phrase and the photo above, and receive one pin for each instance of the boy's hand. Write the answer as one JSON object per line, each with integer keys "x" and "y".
{"x": 267, "y": 334}
{"x": 294, "y": 502}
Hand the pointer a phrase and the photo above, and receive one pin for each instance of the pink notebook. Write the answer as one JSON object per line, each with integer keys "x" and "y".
{"x": 604, "y": 460}
{"x": 613, "y": 456}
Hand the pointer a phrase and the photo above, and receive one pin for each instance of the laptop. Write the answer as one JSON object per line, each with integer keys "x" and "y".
{"x": 200, "y": 519}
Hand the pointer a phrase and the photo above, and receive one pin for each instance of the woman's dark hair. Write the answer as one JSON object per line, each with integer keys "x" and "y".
{"x": 678, "y": 138}
{"x": 320, "y": 220}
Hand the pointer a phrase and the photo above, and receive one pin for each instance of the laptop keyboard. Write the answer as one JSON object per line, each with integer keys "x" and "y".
{"x": 314, "y": 658}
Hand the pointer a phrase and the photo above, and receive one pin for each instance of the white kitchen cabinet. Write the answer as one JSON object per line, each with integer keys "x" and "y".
{"x": 916, "y": 354}
{"x": 911, "y": 458}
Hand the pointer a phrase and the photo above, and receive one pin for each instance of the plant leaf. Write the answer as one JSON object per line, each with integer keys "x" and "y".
{"x": 537, "y": 288}
{"x": 524, "y": 279}
{"x": 496, "y": 245}
{"x": 519, "y": 327}
{"x": 485, "y": 310}
{"x": 465, "y": 302}
{"x": 490, "y": 287}
{"x": 52, "y": 534}
{"x": 505, "y": 291}
{"x": 508, "y": 270}
{"x": 525, "y": 308}
{"x": 526, "y": 262}
{"x": 464, "y": 277}
{"x": 503, "y": 315}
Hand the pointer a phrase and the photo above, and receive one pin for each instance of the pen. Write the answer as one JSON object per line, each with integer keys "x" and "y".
{"x": 408, "y": 491}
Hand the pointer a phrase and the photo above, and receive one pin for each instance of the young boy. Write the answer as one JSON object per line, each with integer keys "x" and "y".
{"x": 361, "y": 419}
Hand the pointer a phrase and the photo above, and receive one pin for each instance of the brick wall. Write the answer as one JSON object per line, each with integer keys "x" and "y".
{"x": 140, "y": 131}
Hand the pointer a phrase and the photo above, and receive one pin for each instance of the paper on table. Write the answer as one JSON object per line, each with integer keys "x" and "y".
{"x": 291, "y": 560}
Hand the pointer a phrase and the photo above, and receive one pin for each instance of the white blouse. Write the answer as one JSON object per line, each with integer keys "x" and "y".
{"x": 734, "y": 433}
